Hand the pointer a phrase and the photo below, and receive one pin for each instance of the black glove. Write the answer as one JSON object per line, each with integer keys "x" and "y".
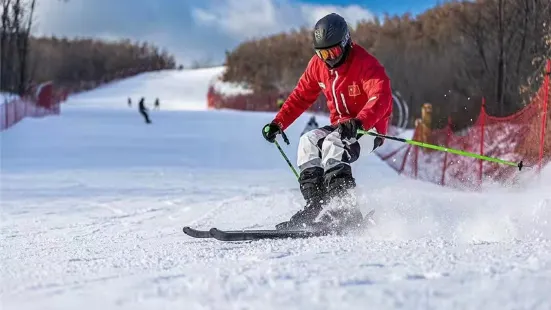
{"x": 349, "y": 128}
{"x": 270, "y": 131}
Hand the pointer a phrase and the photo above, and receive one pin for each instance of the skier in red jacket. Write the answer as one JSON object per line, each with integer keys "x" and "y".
{"x": 359, "y": 96}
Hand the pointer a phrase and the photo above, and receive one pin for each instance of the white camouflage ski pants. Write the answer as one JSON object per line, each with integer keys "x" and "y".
{"x": 323, "y": 147}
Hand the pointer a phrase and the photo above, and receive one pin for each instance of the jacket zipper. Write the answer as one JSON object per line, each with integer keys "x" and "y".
{"x": 344, "y": 104}
{"x": 335, "y": 93}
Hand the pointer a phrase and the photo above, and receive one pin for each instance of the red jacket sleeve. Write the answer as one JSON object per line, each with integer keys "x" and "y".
{"x": 301, "y": 98}
{"x": 377, "y": 87}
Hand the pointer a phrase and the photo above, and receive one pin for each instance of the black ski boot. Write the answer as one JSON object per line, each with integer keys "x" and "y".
{"x": 313, "y": 191}
{"x": 342, "y": 213}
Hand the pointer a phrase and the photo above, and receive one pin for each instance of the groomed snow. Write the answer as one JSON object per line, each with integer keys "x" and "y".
{"x": 94, "y": 201}
{"x": 176, "y": 90}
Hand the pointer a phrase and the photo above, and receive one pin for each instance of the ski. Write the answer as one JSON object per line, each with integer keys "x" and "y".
{"x": 248, "y": 235}
{"x": 243, "y": 235}
{"x": 195, "y": 233}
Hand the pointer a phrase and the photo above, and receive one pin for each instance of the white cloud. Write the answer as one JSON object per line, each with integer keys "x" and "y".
{"x": 243, "y": 19}
{"x": 190, "y": 30}
{"x": 240, "y": 18}
{"x": 352, "y": 13}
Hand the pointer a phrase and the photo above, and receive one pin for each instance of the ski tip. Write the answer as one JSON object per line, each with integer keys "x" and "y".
{"x": 196, "y": 233}
{"x": 189, "y": 231}
{"x": 219, "y": 234}
{"x": 214, "y": 230}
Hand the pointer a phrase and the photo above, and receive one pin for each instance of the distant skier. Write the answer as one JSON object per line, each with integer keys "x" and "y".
{"x": 143, "y": 111}
{"x": 358, "y": 95}
{"x": 129, "y": 102}
{"x": 157, "y": 104}
{"x": 311, "y": 125}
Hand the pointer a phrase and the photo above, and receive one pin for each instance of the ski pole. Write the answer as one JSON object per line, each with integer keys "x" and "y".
{"x": 444, "y": 149}
{"x": 283, "y": 153}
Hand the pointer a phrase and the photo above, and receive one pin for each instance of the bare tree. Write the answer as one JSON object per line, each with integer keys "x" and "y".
{"x": 14, "y": 36}
{"x": 4, "y": 43}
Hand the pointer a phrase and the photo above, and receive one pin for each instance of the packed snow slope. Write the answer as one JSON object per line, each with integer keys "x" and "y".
{"x": 94, "y": 201}
{"x": 176, "y": 90}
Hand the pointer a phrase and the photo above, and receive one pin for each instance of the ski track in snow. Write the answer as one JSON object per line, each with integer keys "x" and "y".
{"x": 94, "y": 201}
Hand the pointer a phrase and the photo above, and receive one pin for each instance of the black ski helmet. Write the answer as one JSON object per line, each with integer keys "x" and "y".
{"x": 331, "y": 31}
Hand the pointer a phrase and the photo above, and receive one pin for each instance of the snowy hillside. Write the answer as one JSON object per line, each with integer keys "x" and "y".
{"x": 94, "y": 201}
{"x": 176, "y": 90}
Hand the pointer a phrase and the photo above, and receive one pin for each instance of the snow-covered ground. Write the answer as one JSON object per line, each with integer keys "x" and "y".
{"x": 175, "y": 89}
{"x": 94, "y": 201}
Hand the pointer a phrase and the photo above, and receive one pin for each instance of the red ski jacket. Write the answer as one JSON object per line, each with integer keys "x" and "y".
{"x": 359, "y": 88}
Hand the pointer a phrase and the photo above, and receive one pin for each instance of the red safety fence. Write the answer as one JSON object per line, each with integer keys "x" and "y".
{"x": 521, "y": 136}
{"x": 44, "y": 101}
{"x": 265, "y": 101}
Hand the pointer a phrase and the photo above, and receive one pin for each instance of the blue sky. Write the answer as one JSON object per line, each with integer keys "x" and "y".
{"x": 379, "y": 7}
{"x": 200, "y": 29}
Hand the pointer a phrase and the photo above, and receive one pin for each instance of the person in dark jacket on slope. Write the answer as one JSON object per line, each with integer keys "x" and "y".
{"x": 359, "y": 96}
{"x": 143, "y": 111}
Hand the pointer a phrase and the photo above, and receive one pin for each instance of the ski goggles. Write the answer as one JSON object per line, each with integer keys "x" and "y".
{"x": 330, "y": 53}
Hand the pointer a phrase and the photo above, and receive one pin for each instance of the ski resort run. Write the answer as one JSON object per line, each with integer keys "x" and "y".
{"x": 94, "y": 201}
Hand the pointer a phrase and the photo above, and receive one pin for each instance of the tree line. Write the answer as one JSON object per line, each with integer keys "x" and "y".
{"x": 74, "y": 64}
{"x": 451, "y": 56}
{"x": 82, "y": 64}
